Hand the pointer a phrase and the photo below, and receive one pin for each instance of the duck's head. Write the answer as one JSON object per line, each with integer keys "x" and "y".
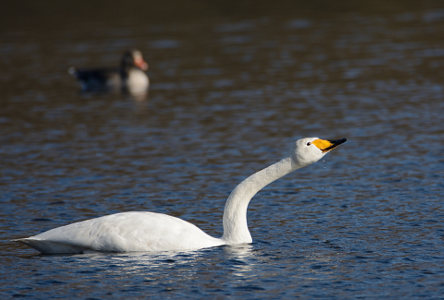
{"x": 133, "y": 58}
{"x": 310, "y": 150}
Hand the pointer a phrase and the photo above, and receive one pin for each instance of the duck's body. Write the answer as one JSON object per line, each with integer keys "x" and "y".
{"x": 148, "y": 231}
{"x": 129, "y": 77}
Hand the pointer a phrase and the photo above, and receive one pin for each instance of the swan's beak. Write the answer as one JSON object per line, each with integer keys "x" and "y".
{"x": 327, "y": 145}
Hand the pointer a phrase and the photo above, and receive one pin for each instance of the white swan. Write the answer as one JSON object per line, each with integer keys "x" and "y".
{"x": 148, "y": 231}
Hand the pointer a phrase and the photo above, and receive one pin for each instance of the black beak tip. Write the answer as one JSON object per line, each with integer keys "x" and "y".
{"x": 338, "y": 141}
{"x": 334, "y": 144}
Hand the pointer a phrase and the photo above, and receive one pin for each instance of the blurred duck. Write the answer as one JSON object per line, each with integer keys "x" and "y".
{"x": 129, "y": 77}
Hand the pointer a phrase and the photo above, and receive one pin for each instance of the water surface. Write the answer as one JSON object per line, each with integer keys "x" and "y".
{"x": 231, "y": 87}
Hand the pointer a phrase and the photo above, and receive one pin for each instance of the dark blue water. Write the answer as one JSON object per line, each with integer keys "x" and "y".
{"x": 231, "y": 88}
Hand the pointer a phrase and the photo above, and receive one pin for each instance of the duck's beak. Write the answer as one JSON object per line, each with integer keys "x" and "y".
{"x": 141, "y": 63}
{"x": 327, "y": 145}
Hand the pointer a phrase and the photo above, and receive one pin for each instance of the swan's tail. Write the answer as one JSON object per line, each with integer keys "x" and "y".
{"x": 50, "y": 247}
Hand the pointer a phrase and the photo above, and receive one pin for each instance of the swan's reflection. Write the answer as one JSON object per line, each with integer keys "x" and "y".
{"x": 242, "y": 259}
{"x": 153, "y": 266}
{"x": 132, "y": 261}
{"x": 240, "y": 252}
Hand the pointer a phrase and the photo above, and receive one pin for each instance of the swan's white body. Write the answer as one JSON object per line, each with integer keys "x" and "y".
{"x": 148, "y": 231}
{"x": 124, "y": 232}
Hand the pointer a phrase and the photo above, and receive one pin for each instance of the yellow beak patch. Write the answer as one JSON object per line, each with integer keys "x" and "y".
{"x": 323, "y": 145}
{"x": 326, "y": 145}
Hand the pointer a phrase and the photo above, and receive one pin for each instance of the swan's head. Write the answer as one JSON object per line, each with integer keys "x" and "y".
{"x": 310, "y": 150}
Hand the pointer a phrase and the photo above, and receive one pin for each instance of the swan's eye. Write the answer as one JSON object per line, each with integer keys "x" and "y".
{"x": 309, "y": 143}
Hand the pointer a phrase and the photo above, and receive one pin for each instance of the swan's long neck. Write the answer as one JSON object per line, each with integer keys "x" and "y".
{"x": 235, "y": 213}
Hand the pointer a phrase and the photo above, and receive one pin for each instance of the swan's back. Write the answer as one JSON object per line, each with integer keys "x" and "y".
{"x": 123, "y": 232}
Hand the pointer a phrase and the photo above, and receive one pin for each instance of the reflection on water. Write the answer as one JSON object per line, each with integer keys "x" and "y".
{"x": 148, "y": 264}
{"x": 138, "y": 96}
{"x": 242, "y": 259}
{"x": 231, "y": 86}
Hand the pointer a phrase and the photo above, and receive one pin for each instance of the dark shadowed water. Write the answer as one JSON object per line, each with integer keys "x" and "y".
{"x": 232, "y": 85}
